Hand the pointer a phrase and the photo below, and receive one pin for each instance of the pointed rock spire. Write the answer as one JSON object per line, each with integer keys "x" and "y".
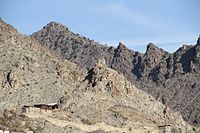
{"x": 121, "y": 46}
{"x": 152, "y": 47}
{"x": 198, "y": 40}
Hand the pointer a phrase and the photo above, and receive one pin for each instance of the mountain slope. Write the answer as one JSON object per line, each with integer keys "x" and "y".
{"x": 173, "y": 78}
{"x": 98, "y": 100}
{"x": 29, "y": 72}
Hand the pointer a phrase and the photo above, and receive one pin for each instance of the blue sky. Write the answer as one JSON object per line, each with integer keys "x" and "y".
{"x": 167, "y": 23}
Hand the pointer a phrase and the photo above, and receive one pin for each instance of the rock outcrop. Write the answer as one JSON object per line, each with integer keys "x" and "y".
{"x": 107, "y": 97}
{"x": 96, "y": 100}
{"x": 198, "y": 41}
{"x": 171, "y": 77}
{"x": 30, "y": 73}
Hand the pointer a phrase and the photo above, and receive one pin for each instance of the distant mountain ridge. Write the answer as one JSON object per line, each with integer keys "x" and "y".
{"x": 173, "y": 78}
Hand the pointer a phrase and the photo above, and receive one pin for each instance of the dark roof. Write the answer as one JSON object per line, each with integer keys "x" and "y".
{"x": 164, "y": 125}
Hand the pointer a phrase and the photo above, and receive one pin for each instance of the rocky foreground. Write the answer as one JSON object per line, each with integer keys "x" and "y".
{"x": 96, "y": 100}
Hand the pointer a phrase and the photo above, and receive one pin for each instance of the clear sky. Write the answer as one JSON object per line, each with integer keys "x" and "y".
{"x": 167, "y": 23}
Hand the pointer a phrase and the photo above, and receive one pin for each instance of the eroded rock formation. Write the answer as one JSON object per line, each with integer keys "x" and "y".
{"x": 172, "y": 77}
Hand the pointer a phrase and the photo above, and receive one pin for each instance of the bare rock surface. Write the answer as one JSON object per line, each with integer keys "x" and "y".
{"x": 98, "y": 100}
{"x": 30, "y": 73}
{"x": 173, "y": 78}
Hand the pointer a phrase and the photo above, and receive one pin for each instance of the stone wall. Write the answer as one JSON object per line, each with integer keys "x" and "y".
{"x": 38, "y": 110}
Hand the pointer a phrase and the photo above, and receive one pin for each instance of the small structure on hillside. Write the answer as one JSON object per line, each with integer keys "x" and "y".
{"x": 44, "y": 108}
{"x": 50, "y": 106}
{"x": 40, "y": 108}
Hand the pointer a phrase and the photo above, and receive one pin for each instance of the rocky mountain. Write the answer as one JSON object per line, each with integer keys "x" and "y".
{"x": 96, "y": 100}
{"x": 30, "y": 73}
{"x": 29, "y": 68}
{"x": 172, "y": 78}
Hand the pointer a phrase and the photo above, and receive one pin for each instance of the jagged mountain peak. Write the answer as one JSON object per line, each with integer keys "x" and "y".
{"x": 56, "y": 26}
{"x": 31, "y": 76}
{"x": 154, "y": 55}
{"x": 151, "y": 46}
{"x": 121, "y": 46}
{"x": 53, "y": 30}
{"x": 55, "y": 23}
{"x": 198, "y": 40}
{"x": 149, "y": 71}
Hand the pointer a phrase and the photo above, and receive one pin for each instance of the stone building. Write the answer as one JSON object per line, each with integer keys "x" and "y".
{"x": 40, "y": 108}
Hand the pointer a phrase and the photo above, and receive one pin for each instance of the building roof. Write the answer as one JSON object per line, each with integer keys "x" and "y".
{"x": 51, "y": 104}
{"x": 164, "y": 125}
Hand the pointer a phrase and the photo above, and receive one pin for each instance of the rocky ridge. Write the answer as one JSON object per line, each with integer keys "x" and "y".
{"x": 172, "y": 78}
{"x": 32, "y": 74}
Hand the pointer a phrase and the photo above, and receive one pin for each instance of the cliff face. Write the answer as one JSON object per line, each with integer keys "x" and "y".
{"x": 171, "y": 77}
{"x": 96, "y": 100}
